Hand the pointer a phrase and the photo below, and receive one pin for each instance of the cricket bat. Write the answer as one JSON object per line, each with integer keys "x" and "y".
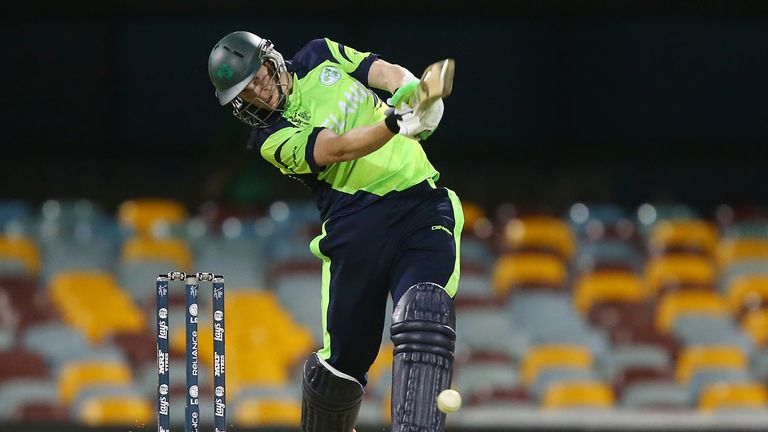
{"x": 436, "y": 83}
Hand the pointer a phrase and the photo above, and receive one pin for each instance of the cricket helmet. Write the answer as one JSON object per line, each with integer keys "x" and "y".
{"x": 232, "y": 64}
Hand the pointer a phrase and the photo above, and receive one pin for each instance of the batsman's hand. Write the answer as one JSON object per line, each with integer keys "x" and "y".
{"x": 404, "y": 94}
{"x": 415, "y": 126}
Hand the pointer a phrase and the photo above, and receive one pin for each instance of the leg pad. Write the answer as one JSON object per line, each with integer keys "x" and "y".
{"x": 330, "y": 402}
{"x": 424, "y": 334}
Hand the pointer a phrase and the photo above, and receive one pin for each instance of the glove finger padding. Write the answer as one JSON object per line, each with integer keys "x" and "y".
{"x": 404, "y": 94}
{"x": 404, "y": 120}
{"x": 430, "y": 118}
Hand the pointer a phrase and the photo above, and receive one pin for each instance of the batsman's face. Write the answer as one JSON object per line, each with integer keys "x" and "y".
{"x": 262, "y": 91}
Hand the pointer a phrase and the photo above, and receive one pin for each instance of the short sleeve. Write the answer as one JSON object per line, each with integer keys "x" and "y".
{"x": 291, "y": 149}
{"x": 352, "y": 61}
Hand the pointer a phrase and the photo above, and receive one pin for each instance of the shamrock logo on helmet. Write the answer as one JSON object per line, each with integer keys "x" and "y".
{"x": 225, "y": 72}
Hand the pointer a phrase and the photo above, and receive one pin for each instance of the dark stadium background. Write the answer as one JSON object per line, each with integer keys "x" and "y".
{"x": 554, "y": 102}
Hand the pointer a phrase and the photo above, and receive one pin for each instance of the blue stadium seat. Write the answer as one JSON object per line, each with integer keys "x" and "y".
{"x": 53, "y": 340}
{"x": 607, "y": 253}
{"x": 649, "y": 214}
{"x": 481, "y": 377}
{"x": 491, "y": 330}
{"x": 702, "y": 378}
{"x": 7, "y": 337}
{"x": 655, "y": 395}
{"x": 301, "y": 295}
{"x": 550, "y": 318}
{"x": 66, "y": 255}
{"x": 17, "y": 392}
{"x": 746, "y": 267}
{"x": 593, "y": 220}
{"x": 625, "y": 357}
{"x": 549, "y": 376}
{"x": 756, "y": 228}
{"x": 475, "y": 286}
{"x": 476, "y": 253}
{"x": 241, "y": 261}
{"x": 711, "y": 330}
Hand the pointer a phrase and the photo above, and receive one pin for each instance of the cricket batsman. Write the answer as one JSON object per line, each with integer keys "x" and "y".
{"x": 388, "y": 229}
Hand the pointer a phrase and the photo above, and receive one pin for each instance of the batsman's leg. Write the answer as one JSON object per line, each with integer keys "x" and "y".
{"x": 330, "y": 399}
{"x": 424, "y": 334}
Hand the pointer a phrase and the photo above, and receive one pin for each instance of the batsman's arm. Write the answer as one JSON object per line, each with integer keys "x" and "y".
{"x": 387, "y": 76}
{"x": 353, "y": 144}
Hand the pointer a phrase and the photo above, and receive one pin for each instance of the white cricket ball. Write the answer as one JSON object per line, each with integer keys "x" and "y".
{"x": 449, "y": 401}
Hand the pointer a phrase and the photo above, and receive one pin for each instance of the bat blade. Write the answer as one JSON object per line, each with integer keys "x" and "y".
{"x": 436, "y": 83}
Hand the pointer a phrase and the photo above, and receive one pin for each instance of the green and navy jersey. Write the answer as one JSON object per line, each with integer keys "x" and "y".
{"x": 330, "y": 91}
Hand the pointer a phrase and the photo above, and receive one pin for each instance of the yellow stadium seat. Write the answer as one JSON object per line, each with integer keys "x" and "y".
{"x": 553, "y": 356}
{"x": 739, "y": 249}
{"x": 23, "y": 250}
{"x": 694, "y": 358}
{"x": 755, "y": 323}
{"x": 268, "y": 412}
{"x": 688, "y": 234}
{"x": 577, "y": 394}
{"x": 678, "y": 303}
{"x": 472, "y": 213}
{"x": 272, "y": 326}
{"x": 76, "y": 376}
{"x": 386, "y": 408}
{"x": 540, "y": 233}
{"x": 141, "y": 214}
{"x": 748, "y": 291}
{"x": 92, "y": 302}
{"x": 527, "y": 269}
{"x": 271, "y": 330}
{"x": 116, "y": 411}
{"x": 171, "y": 250}
{"x": 733, "y": 395}
{"x": 678, "y": 270}
{"x": 608, "y": 286}
{"x": 381, "y": 365}
{"x": 248, "y": 367}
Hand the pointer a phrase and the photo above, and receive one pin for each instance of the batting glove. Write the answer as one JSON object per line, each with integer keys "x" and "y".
{"x": 404, "y": 121}
{"x": 404, "y": 94}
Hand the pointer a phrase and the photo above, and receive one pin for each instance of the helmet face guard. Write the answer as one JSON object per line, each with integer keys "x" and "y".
{"x": 232, "y": 65}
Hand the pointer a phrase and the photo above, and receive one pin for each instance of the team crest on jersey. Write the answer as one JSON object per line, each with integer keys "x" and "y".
{"x": 329, "y": 75}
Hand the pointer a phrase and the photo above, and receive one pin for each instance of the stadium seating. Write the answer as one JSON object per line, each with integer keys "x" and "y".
{"x": 747, "y": 292}
{"x": 600, "y": 309}
{"x": 539, "y": 233}
{"x": 115, "y": 410}
{"x": 582, "y": 394}
{"x": 688, "y": 236}
{"x": 140, "y": 216}
{"x": 19, "y": 255}
{"x": 607, "y": 286}
{"x": 527, "y": 270}
{"x": 76, "y": 376}
{"x": 695, "y": 358}
{"x": 260, "y": 412}
{"x": 671, "y": 272}
{"x": 720, "y": 395}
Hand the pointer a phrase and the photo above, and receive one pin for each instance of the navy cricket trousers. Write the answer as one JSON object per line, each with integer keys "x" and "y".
{"x": 385, "y": 248}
